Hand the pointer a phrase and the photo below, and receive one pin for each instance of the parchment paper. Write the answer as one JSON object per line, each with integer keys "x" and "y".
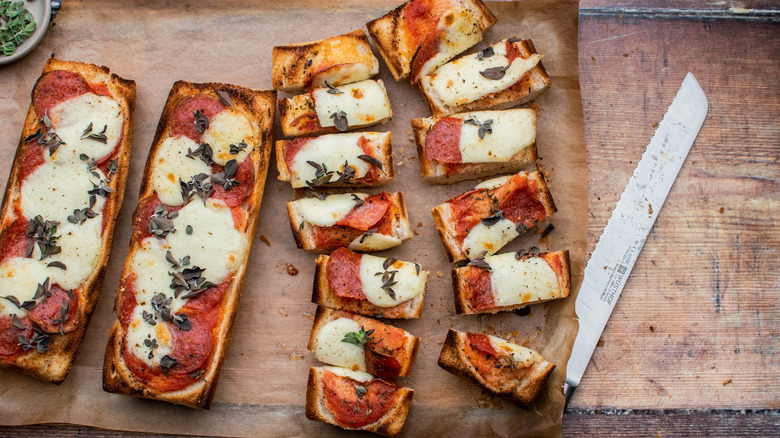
{"x": 262, "y": 388}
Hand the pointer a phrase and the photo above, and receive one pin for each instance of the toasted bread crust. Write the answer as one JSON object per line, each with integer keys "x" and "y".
{"x": 532, "y": 85}
{"x": 258, "y": 106}
{"x": 462, "y": 306}
{"x": 389, "y": 425}
{"x": 55, "y": 364}
{"x": 384, "y": 154}
{"x": 389, "y": 35}
{"x": 454, "y": 360}
{"x": 325, "y": 315}
{"x": 294, "y": 67}
{"x": 446, "y": 227}
{"x": 435, "y": 172}
{"x": 323, "y": 295}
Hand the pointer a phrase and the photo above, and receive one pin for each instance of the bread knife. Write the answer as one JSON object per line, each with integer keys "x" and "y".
{"x": 622, "y": 239}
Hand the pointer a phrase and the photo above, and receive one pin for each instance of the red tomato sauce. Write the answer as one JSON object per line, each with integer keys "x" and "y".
{"x": 478, "y": 288}
{"x": 354, "y": 411}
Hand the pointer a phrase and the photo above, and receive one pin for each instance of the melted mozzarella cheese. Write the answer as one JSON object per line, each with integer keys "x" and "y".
{"x": 410, "y": 285}
{"x": 493, "y": 182}
{"x": 332, "y": 151}
{"x": 343, "y": 74}
{"x": 226, "y": 128}
{"x": 152, "y": 273}
{"x": 214, "y": 245}
{"x": 326, "y": 212}
{"x": 489, "y": 238}
{"x": 330, "y": 348}
{"x": 522, "y": 357}
{"x": 55, "y": 190}
{"x": 364, "y": 103}
{"x": 359, "y": 376}
{"x": 462, "y": 33}
{"x": 459, "y": 82}
{"x": 71, "y": 118}
{"x": 521, "y": 281}
{"x": 512, "y": 132}
{"x": 172, "y": 164}
{"x": 81, "y": 249}
{"x": 139, "y": 330}
{"x": 374, "y": 242}
{"x": 19, "y": 277}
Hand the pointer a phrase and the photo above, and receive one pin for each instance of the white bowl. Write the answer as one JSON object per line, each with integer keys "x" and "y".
{"x": 41, "y": 11}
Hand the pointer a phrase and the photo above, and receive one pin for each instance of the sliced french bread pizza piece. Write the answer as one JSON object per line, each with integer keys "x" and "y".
{"x": 338, "y": 60}
{"x": 363, "y": 159}
{"x": 503, "y": 75}
{"x": 511, "y": 281}
{"x": 58, "y": 214}
{"x": 335, "y": 109}
{"x": 354, "y": 220}
{"x": 475, "y": 144}
{"x": 481, "y": 221}
{"x": 192, "y": 234}
{"x": 420, "y": 35}
{"x": 500, "y": 367}
{"x": 349, "y": 340}
{"x": 355, "y": 400}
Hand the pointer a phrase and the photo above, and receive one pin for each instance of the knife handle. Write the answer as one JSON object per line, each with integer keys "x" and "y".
{"x": 568, "y": 392}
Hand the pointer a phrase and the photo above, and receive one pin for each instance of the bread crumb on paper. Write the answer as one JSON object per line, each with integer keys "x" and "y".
{"x": 283, "y": 311}
{"x": 265, "y": 240}
{"x": 308, "y": 315}
{"x": 727, "y": 381}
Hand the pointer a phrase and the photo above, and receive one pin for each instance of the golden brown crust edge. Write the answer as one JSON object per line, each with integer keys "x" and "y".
{"x": 57, "y": 362}
{"x": 259, "y": 105}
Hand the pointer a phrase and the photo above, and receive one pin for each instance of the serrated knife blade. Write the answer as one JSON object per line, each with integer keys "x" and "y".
{"x": 622, "y": 239}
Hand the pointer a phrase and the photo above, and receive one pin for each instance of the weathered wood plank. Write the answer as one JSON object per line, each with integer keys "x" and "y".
{"x": 697, "y": 323}
{"x": 739, "y": 8}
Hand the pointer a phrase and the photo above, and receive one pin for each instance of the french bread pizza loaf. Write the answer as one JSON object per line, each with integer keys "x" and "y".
{"x": 481, "y": 221}
{"x": 354, "y": 400}
{"x": 503, "y": 75}
{"x": 354, "y": 220}
{"x": 511, "y": 281}
{"x": 352, "y": 159}
{"x": 369, "y": 285}
{"x": 58, "y": 214}
{"x": 192, "y": 234}
{"x": 337, "y": 60}
{"x": 475, "y": 144}
{"x": 359, "y": 343}
{"x": 335, "y": 109}
{"x": 502, "y": 368}
{"x": 420, "y": 35}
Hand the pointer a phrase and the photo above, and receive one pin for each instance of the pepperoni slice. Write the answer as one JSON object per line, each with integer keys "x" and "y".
{"x": 442, "y": 143}
{"x": 143, "y": 215}
{"x": 207, "y": 299}
{"x": 291, "y": 148}
{"x": 384, "y": 350}
{"x": 478, "y": 288}
{"x": 554, "y": 260}
{"x": 428, "y": 49}
{"x": 184, "y": 115}
{"x": 367, "y": 214}
{"x": 469, "y": 209}
{"x": 521, "y": 205}
{"x": 354, "y": 411}
{"x": 55, "y": 87}
{"x": 343, "y": 274}
{"x": 330, "y": 238}
{"x": 373, "y": 171}
{"x": 13, "y": 242}
{"x": 192, "y": 347}
{"x": 422, "y": 17}
{"x": 32, "y": 157}
{"x": 154, "y": 376}
{"x": 245, "y": 175}
{"x": 125, "y": 313}
{"x": 47, "y": 313}
{"x": 9, "y": 335}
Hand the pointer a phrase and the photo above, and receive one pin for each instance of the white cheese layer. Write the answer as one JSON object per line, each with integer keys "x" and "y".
{"x": 71, "y": 118}
{"x": 214, "y": 245}
{"x": 409, "y": 285}
{"x": 460, "y": 82}
{"x": 152, "y": 273}
{"x": 226, "y": 128}
{"x": 522, "y": 357}
{"x": 489, "y": 238}
{"x": 343, "y": 74}
{"x": 521, "y": 281}
{"x": 172, "y": 164}
{"x": 359, "y": 376}
{"x": 374, "y": 242}
{"x": 330, "y": 348}
{"x": 81, "y": 249}
{"x": 364, "y": 103}
{"x": 493, "y": 182}
{"x": 55, "y": 190}
{"x": 19, "y": 277}
{"x": 326, "y": 212}
{"x": 139, "y": 331}
{"x": 462, "y": 33}
{"x": 512, "y": 132}
{"x": 332, "y": 152}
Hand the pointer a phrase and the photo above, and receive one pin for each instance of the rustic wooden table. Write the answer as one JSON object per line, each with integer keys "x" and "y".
{"x": 693, "y": 346}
